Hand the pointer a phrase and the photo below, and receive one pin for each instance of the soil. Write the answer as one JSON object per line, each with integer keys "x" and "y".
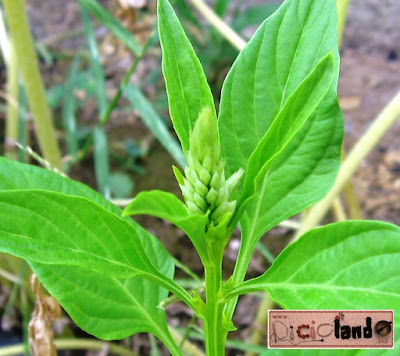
{"x": 370, "y": 77}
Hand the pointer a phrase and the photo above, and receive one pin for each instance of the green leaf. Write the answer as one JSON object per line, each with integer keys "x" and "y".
{"x": 187, "y": 88}
{"x": 113, "y": 25}
{"x": 267, "y": 75}
{"x": 107, "y": 307}
{"x": 254, "y": 15}
{"x": 290, "y": 119}
{"x": 30, "y": 177}
{"x": 53, "y": 228}
{"x": 346, "y": 265}
{"x": 155, "y": 124}
{"x": 167, "y": 206}
{"x": 14, "y": 175}
{"x": 280, "y": 55}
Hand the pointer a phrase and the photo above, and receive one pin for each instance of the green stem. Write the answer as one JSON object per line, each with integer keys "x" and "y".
{"x": 215, "y": 334}
{"x": 28, "y": 64}
{"x": 239, "y": 273}
{"x": 170, "y": 285}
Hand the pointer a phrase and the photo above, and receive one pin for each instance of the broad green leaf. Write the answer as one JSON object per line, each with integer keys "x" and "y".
{"x": 155, "y": 124}
{"x": 31, "y": 177}
{"x": 266, "y": 76}
{"x": 167, "y": 206}
{"x": 53, "y": 228}
{"x": 279, "y": 56}
{"x": 187, "y": 88}
{"x": 14, "y": 175}
{"x": 291, "y": 118}
{"x": 107, "y": 307}
{"x": 347, "y": 265}
{"x": 113, "y": 25}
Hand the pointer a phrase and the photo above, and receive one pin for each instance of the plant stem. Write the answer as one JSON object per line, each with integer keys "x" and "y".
{"x": 239, "y": 273}
{"x": 342, "y": 6}
{"x": 361, "y": 149}
{"x": 237, "y": 41}
{"x": 28, "y": 64}
{"x": 215, "y": 334}
{"x": 72, "y": 344}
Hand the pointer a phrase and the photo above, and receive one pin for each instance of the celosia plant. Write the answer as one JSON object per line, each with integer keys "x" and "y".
{"x": 273, "y": 151}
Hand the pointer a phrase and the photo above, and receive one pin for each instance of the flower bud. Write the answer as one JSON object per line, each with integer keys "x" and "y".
{"x": 205, "y": 188}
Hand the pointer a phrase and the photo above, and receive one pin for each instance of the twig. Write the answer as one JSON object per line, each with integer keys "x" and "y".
{"x": 361, "y": 149}
{"x": 226, "y": 31}
{"x": 338, "y": 210}
{"x": 342, "y": 6}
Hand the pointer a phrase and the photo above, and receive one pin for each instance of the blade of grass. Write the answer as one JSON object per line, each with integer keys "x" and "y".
{"x": 265, "y": 252}
{"x": 69, "y": 108}
{"x": 19, "y": 30}
{"x": 114, "y": 101}
{"x": 23, "y": 138}
{"x": 221, "y": 6}
{"x": 154, "y": 122}
{"x": 154, "y": 349}
{"x": 127, "y": 77}
{"x": 12, "y": 299}
{"x": 101, "y": 162}
{"x": 26, "y": 315}
{"x": 113, "y": 25}
{"x": 95, "y": 62}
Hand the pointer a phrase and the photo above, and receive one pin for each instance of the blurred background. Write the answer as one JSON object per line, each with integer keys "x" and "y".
{"x": 101, "y": 67}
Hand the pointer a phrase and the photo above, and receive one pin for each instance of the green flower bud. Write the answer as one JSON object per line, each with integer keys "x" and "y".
{"x": 205, "y": 188}
{"x": 212, "y": 196}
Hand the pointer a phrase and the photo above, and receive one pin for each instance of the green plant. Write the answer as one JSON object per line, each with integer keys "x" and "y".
{"x": 274, "y": 151}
